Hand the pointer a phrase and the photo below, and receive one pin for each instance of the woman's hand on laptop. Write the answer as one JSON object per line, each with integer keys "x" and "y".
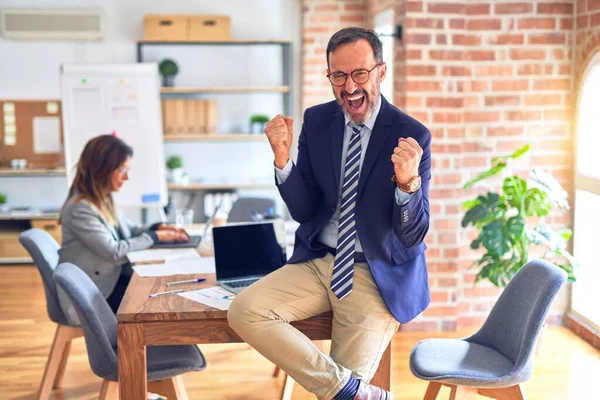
{"x": 172, "y": 234}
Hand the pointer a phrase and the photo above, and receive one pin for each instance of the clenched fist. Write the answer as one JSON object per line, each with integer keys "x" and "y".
{"x": 279, "y": 133}
{"x": 406, "y": 159}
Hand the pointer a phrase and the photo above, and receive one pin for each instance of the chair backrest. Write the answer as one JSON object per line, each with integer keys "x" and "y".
{"x": 97, "y": 319}
{"x": 244, "y": 207}
{"x": 514, "y": 324}
{"x": 43, "y": 249}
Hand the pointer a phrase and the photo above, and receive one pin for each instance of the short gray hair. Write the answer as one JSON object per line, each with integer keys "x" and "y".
{"x": 354, "y": 34}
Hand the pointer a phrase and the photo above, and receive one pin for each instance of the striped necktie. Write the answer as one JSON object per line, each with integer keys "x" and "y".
{"x": 343, "y": 268}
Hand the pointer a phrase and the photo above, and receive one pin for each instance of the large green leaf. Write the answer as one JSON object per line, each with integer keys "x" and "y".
{"x": 486, "y": 174}
{"x": 488, "y": 207}
{"x": 497, "y": 270}
{"x": 547, "y": 183}
{"x": 515, "y": 226}
{"x": 495, "y": 239}
{"x": 518, "y": 153}
{"x": 514, "y": 189}
{"x": 536, "y": 203}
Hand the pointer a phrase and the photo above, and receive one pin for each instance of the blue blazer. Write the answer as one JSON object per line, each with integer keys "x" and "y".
{"x": 391, "y": 235}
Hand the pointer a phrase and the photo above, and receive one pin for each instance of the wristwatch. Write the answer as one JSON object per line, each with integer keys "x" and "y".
{"x": 409, "y": 187}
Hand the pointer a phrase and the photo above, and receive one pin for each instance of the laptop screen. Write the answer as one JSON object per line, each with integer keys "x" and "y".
{"x": 247, "y": 249}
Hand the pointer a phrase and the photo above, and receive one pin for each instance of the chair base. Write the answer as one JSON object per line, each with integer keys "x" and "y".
{"x": 173, "y": 389}
{"x": 466, "y": 393}
{"x": 57, "y": 359}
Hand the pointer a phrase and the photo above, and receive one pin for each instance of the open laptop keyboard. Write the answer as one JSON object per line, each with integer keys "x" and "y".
{"x": 244, "y": 283}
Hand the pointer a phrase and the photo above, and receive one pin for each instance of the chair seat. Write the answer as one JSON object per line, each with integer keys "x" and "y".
{"x": 460, "y": 362}
{"x": 165, "y": 362}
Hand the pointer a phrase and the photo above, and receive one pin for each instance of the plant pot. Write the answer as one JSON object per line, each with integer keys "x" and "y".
{"x": 168, "y": 80}
{"x": 176, "y": 175}
{"x": 4, "y": 208}
{"x": 257, "y": 128}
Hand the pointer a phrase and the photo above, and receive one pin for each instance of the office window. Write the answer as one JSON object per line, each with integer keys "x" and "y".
{"x": 384, "y": 24}
{"x": 586, "y": 293}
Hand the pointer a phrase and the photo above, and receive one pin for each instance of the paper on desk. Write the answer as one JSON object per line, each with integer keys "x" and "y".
{"x": 182, "y": 266}
{"x": 163, "y": 255}
{"x": 212, "y": 297}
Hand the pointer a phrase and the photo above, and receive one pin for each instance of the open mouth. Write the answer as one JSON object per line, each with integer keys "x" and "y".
{"x": 355, "y": 102}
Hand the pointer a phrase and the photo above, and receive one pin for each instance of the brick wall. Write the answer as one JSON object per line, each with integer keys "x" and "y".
{"x": 587, "y": 29}
{"x": 486, "y": 77}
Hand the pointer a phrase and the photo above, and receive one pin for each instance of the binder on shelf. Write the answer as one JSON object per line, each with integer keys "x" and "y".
{"x": 200, "y": 116}
{"x": 212, "y": 116}
{"x": 180, "y": 116}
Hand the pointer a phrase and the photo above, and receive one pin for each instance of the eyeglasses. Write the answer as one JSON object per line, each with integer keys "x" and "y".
{"x": 359, "y": 76}
{"x": 123, "y": 171}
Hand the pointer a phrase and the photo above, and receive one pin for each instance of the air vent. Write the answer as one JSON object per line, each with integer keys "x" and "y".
{"x": 52, "y": 24}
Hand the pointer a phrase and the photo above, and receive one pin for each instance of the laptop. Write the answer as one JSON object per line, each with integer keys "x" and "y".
{"x": 246, "y": 252}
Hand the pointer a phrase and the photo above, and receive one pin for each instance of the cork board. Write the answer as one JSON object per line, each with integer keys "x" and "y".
{"x": 28, "y": 130}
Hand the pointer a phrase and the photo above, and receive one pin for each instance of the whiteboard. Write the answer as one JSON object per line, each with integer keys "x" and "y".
{"x": 124, "y": 99}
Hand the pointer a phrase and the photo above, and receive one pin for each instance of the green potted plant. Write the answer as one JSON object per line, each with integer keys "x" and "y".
{"x": 4, "y": 208}
{"x": 175, "y": 168}
{"x": 512, "y": 223}
{"x": 258, "y": 122}
{"x": 168, "y": 69}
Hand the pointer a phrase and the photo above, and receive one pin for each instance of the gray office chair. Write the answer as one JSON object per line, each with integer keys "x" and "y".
{"x": 244, "y": 207}
{"x": 499, "y": 357}
{"x": 165, "y": 363}
{"x": 43, "y": 249}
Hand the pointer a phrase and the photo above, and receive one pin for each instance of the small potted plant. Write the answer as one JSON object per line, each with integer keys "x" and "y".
{"x": 168, "y": 69}
{"x": 4, "y": 208}
{"x": 175, "y": 167}
{"x": 258, "y": 122}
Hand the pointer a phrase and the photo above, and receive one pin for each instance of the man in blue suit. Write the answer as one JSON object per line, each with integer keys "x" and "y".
{"x": 360, "y": 192}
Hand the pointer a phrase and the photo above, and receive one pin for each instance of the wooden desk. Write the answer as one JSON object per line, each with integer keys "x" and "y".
{"x": 172, "y": 319}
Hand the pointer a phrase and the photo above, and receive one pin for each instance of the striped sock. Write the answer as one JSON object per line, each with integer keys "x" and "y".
{"x": 349, "y": 390}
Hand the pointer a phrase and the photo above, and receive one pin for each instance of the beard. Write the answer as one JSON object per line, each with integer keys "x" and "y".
{"x": 371, "y": 99}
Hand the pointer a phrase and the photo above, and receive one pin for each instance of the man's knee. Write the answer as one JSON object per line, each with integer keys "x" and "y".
{"x": 244, "y": 310}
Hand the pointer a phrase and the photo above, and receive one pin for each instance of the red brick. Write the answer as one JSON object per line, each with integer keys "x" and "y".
{"x": 469, "y": 322}
{"x": 583, "y": 21}
{"x": 559, "y": 54}
{"x": 557, "y": 115}
{"x": 446, "y": 223}
{"x": 566, "y": 24}
{"x": 355, "y": 7}
{"x": 447, "y": 117}
{"x": 423, "y": 86}
{"x": 595, "y": 19}
{"x": 473, "y": 86}
{"x": 352, "y": 18}
{"x": 482, "y": 116}
{"x": 466, "y": 40}
{"x": 418, "y": 38}
{"x": 494, "y": 70}
{"x": 534, "y": 69}
{"x": 447, "y": 282}
{"x": 454, "y": 132}
{"x": 526, "y": 54}
{"x": 327, "y": 7}
{"x": 415, "y": 102}
{"x": 429, "y": 23}
{"x": 451, "y": 209}
{"x": 477, "y": 9}
{"x": 420, "y": 326}
{"x": 522, "y": 115}
{"x": 552, "y": 84}
{"x": 439, "y": 297}
{"x": 517, "y": 38}
{"x": 421, "y": 70}
{"x": 452, "y": 253}
{"x": 439, "y": 311}
{"x": 543, "y": 100}
{"x": 481, "y": 291}
{"x": 537, "y": 23}
{"x": 444, "y": 102}
{"x": 473, "y": 162}
{"x": 471, "y": 102}
{"x": 446, "y": 55}
{"x": 555, "y": 8}
{"x": 456, "y": 23}
{"x": 456, "y": 71}
{"x": 414, "y": 54}
{"x": 446, "y": 8}
{"x": 546, "y": 38}
{"x": 480, "y": 55}
{"x": 441, "y": 39}
{"x": 502, "y": 100}
{"x": 414, "y": 6}
{"x": 593, "y": 5}
{"x": 510, "y": 85}
{"x": 513, "y": 8}
{"x": 564, "y": 69}
{"x": 484, "y": 24}
{"x": 550, "y": 160}
{"x": 505, "y": 131}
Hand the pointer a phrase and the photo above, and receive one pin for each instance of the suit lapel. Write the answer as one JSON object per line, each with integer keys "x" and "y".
{"x": 381, "y": 131}
{"x": 337, "y": 142}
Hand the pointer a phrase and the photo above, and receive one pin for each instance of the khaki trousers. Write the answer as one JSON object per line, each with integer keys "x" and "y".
{"x": 362, "y": 324}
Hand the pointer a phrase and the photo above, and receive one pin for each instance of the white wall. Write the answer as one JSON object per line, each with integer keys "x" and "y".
{"x": 29, "y": 70}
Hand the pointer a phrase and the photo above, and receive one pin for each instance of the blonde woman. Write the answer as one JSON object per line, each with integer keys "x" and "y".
{"x": 96, "y": 237}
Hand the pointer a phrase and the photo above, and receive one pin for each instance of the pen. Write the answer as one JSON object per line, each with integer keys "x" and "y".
{"x": 186, "y": 281}
{"x": 169, "y": 292}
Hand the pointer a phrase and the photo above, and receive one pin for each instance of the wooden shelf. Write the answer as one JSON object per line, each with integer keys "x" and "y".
{"x": 25, "y": 216}
{"x": 32, "y": 172}
{"x": 214, "y": 137}
{"x": 218, "y": 186}
{"x": 225, "y": 42}
{"x": 224, "y": 89}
